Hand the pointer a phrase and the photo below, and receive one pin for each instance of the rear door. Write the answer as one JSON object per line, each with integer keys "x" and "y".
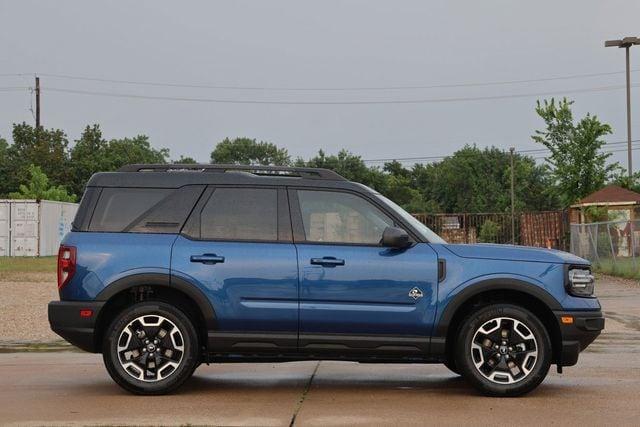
{"x": 355, "y": 295}
{"x": 237, "y": 248}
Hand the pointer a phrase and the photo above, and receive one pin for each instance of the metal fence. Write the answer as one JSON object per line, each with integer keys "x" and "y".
{"x": 472, "y": 227}
{"x": 611, "y": 246}
{"x": 543, "y": 229}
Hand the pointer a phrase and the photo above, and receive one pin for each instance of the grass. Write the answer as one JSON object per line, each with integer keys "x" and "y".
{"x": 45, "y": 264}
{"x": 621, "y": 267}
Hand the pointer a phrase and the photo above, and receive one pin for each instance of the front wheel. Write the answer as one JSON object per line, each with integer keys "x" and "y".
{"x": 503, "y": 350}
{"x": 151, "y": 348}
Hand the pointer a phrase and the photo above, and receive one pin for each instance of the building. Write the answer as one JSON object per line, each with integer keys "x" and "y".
{"x": 612, "y": 203}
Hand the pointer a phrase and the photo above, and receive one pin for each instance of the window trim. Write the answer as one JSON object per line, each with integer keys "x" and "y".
{"x": 299, "y": 235}
{"x": 192, "y": 230}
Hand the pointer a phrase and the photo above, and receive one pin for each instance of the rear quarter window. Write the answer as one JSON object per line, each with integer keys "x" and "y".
{"x": 119, "y": 207}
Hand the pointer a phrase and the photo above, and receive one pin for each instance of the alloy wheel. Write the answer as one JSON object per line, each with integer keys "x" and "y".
{"x": 150, "y": 348}
{"x": 504, "y": 350}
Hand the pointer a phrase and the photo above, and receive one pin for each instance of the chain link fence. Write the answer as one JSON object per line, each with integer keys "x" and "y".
{"x": 613, "y": 247}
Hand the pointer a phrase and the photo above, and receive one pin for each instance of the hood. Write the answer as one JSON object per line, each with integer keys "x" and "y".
{"x": 514, "y": 253}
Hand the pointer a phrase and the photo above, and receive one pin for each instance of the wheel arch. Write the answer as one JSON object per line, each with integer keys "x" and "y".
{"x": 155, "y": 286}
{"x": 519, "y": 292}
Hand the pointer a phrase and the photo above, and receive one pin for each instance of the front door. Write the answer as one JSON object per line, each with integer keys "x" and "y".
{"x": 237, "y": 248}
{"x": 356, "y": 295}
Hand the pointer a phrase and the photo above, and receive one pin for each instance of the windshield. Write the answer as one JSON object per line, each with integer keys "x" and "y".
{"x": 425, "y": 231}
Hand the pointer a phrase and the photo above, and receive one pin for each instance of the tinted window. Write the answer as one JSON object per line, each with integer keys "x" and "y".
{"x": 341, "y": 218}
{"x": 119, "y": 207}
{"x": 240, "y": 214}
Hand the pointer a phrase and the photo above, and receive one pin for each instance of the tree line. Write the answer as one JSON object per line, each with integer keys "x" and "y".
{"x": 42, "y": 163}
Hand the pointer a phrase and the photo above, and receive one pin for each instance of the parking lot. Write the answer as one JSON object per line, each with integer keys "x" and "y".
{"x": 67, "y": 387}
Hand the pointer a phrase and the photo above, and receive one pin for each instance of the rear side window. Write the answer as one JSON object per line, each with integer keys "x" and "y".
{"x": 119, "y": 207}
{"x": 240, "y": 214}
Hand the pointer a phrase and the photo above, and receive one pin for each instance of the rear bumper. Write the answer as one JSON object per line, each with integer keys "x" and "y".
{"x": 65, "y": 320}
{"x": 577, "y": 335}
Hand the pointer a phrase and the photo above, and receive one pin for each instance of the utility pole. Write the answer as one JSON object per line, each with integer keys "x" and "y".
{"x": 37, "y": 102}
{"x": 626, "y": 43}
{"x": 513, "y": 199}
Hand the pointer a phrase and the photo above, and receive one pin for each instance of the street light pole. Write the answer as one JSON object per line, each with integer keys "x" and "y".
{"x": 628, "y": 114}
{"x": 626, "y": 43}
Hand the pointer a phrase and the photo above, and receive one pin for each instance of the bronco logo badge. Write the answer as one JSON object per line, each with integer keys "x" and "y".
{"x": 415, "y": 293}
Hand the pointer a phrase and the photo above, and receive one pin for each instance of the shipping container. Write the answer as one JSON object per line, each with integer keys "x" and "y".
{"x": 34, "y": 228}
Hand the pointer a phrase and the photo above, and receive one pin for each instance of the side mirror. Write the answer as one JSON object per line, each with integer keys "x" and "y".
{"x": 393, "y": 237}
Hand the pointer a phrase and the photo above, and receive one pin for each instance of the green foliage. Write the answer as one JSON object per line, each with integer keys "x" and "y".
{"x": 489, "y": 232}
{"x": 92, "y": 153}
{"x": 246, "y": 151}
{"x": 38, "y": 188}
{"x": 42, "y": 147}
{"x": 578, "y": 166}
{"x": 596, "y": 214}
{"x": 186, "y": 160}
{"x": 479, "y": 180}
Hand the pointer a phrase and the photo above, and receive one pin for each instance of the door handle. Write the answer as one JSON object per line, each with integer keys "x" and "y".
{"x": 327, "y": 261}
{"x": 207, "y": 258}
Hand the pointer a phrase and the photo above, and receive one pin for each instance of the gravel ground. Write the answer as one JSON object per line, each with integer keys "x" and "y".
{"x": 23, "y": 301}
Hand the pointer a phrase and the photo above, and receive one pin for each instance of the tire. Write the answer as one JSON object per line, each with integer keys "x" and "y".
{"x": 450, "y": 363}
{"x": 500, "y": 363}
{"x": 151, "y": 329}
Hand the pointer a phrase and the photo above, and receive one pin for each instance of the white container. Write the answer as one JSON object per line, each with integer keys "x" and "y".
{"x": 32, "y": 228}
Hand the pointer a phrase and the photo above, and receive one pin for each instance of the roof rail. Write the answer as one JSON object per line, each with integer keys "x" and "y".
{"x": 283, "y": 171}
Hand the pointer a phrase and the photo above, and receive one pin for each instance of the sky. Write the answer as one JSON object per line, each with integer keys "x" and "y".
{"x": 313, "y": 75}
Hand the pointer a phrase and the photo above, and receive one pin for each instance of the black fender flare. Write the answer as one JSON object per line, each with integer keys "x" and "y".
{"x": 497, "y": 284}
{"x": 162, "y": 280}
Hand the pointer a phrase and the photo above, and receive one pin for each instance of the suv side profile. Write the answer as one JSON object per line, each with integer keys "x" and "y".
{"x": 171, "y": 266}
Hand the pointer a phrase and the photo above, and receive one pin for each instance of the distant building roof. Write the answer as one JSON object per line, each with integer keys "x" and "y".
{"x": 610, "y": 195}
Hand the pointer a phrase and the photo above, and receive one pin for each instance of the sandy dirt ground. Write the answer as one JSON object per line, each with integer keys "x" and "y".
{"x": 72, "y": 388}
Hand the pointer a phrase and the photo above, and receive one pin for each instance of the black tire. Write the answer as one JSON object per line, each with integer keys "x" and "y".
{"x": 450, "y": 363}
{"x": 167, "y": 378}
{"x": 529, "y": 368}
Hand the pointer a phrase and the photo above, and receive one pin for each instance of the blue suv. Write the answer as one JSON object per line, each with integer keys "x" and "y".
{"x": 170, "y": 266}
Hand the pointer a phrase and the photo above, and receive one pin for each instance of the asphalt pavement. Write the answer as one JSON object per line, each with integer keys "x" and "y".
{"x": 72, "y": 388}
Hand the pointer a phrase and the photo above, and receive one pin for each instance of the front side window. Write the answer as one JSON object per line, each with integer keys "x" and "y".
{"x": 240, "y": 214}
{"x": 335, "y": 217}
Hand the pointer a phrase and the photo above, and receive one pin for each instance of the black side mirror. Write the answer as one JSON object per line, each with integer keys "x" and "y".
{"x": 394, "y": 237}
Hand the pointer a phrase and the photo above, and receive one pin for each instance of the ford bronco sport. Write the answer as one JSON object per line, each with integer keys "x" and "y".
{"x": 171, "y": 266}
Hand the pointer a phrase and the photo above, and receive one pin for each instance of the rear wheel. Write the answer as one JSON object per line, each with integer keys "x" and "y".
{"x": 151, "y": 348}
{"x": 503, "y": 350}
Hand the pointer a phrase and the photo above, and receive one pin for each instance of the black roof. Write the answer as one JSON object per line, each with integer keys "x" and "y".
{"x": 178, "y": 175}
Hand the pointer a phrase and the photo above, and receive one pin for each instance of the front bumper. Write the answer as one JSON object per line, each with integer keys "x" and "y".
{"x": 66, "y": 321}
{"x": 577, "y": 335}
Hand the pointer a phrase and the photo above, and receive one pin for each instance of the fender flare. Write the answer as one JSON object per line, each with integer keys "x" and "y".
{"x": 497, "y": 284}
{"x": 163, "y": 280}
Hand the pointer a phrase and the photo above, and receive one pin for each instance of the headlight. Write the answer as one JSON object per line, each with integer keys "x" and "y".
{"x": 581, "y": 282}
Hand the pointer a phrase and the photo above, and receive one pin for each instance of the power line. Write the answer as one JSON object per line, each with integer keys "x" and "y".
{"x": 13, "y": 88}
{"x": 350, "y": 102}
{"x": 533, "y": 152}
{"x": 345, "y": 88}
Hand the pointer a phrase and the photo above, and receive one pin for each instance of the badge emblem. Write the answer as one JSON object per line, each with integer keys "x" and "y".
{"x": 415, "y": 293}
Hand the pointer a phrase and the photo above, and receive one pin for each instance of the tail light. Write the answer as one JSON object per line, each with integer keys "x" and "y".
{"x": 66, "y": 264}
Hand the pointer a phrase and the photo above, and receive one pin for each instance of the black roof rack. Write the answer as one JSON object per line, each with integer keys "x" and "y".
{"x": 272, "y": 171}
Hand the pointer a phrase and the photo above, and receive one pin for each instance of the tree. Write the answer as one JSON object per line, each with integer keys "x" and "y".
{"x": 246, "y": 151}
{"x": 578, "y": 166}
{"x": 186, "y": 160}
{"x": 475, "y": 180}
{"x": 38, "y": 188}
{"x": 120, "y": 152}
{"x": 42, "y": 147}
{"x": 92, "y": 153}
{"x": 4, "y": 168}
